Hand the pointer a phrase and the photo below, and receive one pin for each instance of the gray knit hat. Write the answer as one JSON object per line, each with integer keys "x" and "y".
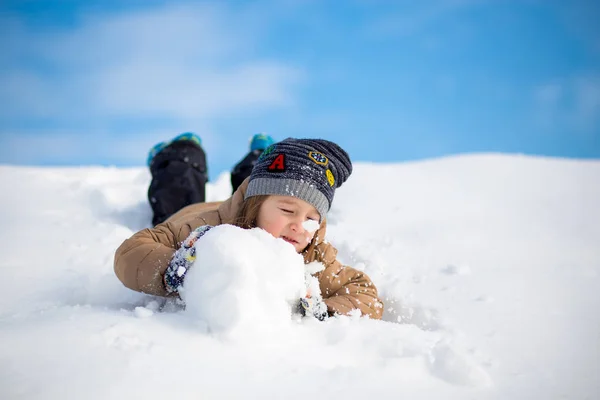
{"x": 309, "y": 169}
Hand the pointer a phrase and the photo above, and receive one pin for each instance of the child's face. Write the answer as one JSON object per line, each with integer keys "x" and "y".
{"x": 284, "y": 217}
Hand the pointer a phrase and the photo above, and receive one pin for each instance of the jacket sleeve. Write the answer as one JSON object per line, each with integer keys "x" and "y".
{"x": 345, "y": 289}
{"x": 141, "y": 261}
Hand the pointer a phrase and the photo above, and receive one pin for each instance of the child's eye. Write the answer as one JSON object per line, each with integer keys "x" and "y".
{"x": 286, "y": 210}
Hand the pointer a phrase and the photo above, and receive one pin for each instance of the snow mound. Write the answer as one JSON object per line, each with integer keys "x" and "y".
{"x": 488, "y": 265}
{"x": 243, "y": 282}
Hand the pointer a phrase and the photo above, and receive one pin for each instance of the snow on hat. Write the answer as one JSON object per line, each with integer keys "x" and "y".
{"x": 309, "y": 169}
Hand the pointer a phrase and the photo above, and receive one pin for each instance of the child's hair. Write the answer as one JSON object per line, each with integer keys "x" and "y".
{"x": 248, "y": 214}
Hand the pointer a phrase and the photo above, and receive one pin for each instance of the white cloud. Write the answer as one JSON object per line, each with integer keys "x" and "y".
{"x": 180, "y": 62}
{"x": 178, "y": 90}
{"x": 569, "y": 103}
{"x": 587, "y": 92}
{"x": 549, "y": 95}
{"x": 415, "y": 18}
{"x": 57, "y": 146}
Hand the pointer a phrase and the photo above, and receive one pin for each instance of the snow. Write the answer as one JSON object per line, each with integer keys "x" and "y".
{"x": 310, "y": 225}
{"x": 246, "y": 292}
{"x": 489, "y": 266}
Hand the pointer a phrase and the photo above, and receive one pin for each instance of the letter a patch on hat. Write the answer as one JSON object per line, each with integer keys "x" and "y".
{"x": 278, "y": 164}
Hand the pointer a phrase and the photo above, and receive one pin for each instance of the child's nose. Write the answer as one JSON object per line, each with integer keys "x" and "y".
{"x": 297, "y": 226}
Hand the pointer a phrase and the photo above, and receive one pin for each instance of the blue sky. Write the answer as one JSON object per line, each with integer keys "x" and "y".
{"x": 97, "y": 82}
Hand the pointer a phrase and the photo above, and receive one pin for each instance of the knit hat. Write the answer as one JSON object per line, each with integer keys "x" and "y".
{"x": 260, "y": 141}
{"x": 309, "y": 169}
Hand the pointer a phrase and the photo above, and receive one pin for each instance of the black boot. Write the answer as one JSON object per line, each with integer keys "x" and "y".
{"x": 179, "y": 176}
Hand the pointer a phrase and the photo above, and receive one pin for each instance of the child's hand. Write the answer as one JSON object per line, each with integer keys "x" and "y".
{"x": 183, "y": 259}
{"x": 312, "y": 306}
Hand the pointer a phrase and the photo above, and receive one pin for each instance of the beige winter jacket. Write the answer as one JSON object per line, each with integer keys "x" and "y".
{"x": 141, "y": 261}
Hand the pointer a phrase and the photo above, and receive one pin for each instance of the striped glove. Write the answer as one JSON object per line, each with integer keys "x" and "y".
{"x": 309, "y": 306}
{"x": 313, "y": 306}
{"x": 183, "y": 259}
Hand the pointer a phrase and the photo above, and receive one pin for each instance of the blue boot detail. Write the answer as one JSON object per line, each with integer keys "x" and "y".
{"x": 188, "y": 136}
{"x": 260, "y": 141}
{"x": 155, "y": 150}
{"x": 160, "y": 146}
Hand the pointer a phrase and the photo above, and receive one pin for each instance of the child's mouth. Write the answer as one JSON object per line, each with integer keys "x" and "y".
{"x": 289, "y": 240}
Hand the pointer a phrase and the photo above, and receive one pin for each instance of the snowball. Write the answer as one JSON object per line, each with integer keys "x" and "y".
{"x": 314, "y": 267}
{"x": 243, "y": 281}
{"x": 311, "y": 225}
